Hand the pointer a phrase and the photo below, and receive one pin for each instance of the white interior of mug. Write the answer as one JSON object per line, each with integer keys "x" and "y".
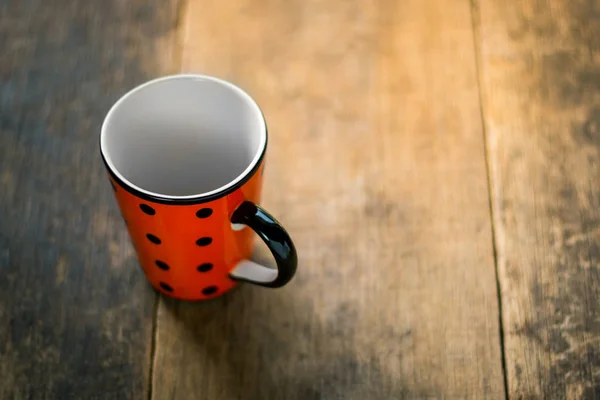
{"x": 183, "y": 136}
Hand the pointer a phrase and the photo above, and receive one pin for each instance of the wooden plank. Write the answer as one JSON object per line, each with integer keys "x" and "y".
{"x": 75, "y": 312}
{"x": 376, "y": 166}
{"x": 540, "y": 73}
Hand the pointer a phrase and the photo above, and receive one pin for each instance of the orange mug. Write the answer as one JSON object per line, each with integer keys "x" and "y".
{"x": 185, "y": 158}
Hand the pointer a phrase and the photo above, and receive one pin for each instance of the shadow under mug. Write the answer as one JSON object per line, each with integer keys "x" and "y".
{"x": 185, "y": 157}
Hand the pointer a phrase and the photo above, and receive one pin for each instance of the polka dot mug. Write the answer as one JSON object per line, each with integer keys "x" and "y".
{"x": 185, "y": 158}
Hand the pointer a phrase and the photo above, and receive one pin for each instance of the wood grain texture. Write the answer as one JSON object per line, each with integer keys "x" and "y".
{"x": 376, "y": 167}
{"x": 75, "y": 311}
{"x": 540, "y": 74}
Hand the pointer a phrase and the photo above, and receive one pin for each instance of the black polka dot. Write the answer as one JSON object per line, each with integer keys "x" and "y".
{"x": 204, "y": 213}
{"x": 205, "y": 267}
{"x": 162, "y": 265}
{"x": 205, "y": 241}
{"x": 153, "y": 239}
{"x": 147, "y": 209}
{"x": 207, "y": 291}
{"x": 166, "y": 287}
{"x": 113, "y": 186}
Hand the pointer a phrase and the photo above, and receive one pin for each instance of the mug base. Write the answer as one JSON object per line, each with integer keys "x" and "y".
{"x": 202, "y": 298}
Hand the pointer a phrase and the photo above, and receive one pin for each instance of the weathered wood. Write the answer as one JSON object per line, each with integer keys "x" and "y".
{"x": 540, "y": 74}
{"x": 376, "y": 166}
{"x": 75, "y": 311}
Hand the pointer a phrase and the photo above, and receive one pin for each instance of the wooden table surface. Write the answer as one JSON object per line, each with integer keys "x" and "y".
{"x": 435, "y": 161}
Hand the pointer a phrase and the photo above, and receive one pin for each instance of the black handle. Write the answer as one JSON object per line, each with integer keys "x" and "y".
{"x": 274, "y": 236}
